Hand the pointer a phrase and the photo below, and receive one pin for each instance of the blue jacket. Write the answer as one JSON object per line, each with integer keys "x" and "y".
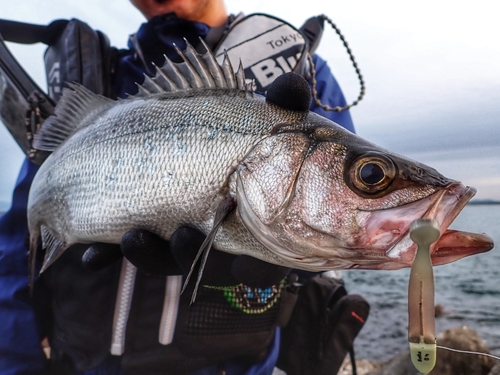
{"x": 20, "y": 337}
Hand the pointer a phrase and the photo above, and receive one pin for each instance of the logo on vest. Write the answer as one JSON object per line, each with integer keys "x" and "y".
{"x": 55, "y": 80}
{"x": 265, "y": 47}
{"x": 266, "y": 71}
{"x": 284, "y": 39}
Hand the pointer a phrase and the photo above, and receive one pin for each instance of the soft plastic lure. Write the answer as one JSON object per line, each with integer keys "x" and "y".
{"x": 421, "y": 315}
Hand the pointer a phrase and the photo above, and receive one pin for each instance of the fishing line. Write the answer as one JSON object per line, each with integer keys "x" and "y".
{"x": 468, "y": 352}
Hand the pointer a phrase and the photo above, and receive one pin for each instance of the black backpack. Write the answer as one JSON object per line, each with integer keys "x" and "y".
{"x": 75, "y": 53}
{"x": 322, "y": 328}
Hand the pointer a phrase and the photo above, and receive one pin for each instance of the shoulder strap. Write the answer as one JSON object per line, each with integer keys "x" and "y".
{"x": 29, "y": 33}
{"x": 312, "y": 30}
{"x": 23, "y": 105}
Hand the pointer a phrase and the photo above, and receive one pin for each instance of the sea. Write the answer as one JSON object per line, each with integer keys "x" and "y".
{"x": 468, "y": 291}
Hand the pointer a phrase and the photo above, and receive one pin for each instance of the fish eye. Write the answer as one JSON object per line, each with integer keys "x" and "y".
{"x": 372, "y": 173}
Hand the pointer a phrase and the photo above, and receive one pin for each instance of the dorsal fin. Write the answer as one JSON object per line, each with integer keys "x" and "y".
{"x": 196, "y": 71}
{"x": 75, "y": 104}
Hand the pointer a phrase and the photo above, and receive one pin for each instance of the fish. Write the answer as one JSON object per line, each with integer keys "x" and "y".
{"x": 308, "y": 194}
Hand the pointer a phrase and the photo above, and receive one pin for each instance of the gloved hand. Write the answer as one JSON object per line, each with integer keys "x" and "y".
{"x": 153, "y": 255}
{"x": 143, "y": 249}
{"x": 223, "y": 269}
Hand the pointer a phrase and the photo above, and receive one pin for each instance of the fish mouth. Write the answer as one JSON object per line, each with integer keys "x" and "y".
{"x": 452, "y": 244}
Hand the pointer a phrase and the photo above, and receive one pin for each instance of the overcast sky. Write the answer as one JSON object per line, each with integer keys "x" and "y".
{"x": 431, "y": 72}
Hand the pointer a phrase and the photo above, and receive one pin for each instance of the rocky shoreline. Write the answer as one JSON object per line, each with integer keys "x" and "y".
{"x": 448, "y": 362}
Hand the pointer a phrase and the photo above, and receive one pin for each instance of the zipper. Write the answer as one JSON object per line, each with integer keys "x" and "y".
{"x": 122, "y": 306}
{"x": 170, "y": 309}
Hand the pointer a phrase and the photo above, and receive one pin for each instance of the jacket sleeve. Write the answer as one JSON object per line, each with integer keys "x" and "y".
{"x": 329, "y": 93}
{"x": 20, "y": 348}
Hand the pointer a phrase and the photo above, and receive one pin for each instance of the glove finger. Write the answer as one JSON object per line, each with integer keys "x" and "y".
{"x": 290, "y": 91}
{"x": 184, "y": 245}
{"x": 149, "y": 253}
{"x": 256, "y": 273}
{"x": 100, "y": 255}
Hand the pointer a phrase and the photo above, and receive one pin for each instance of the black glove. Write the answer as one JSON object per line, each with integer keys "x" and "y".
{"x": 149, "y": 253}
{"x": 153, "y": 255}
{"x": 223, "y": 269}
{"x": 100, "y": 255}
{"x": 290, "y": 91}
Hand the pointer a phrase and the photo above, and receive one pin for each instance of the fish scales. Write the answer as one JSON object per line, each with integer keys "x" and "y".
{"x": 145, "y": 163}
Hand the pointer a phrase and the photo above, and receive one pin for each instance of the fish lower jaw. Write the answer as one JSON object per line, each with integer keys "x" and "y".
{"x": 446, "y": 207}
{"x": 321, "y": 264}
{"x": 388, "y": 231}
{"x": 403, "y": 252}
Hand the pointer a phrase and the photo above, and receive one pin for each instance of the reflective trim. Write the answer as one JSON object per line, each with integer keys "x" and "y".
{"x": 122, "y": 306}
{"x": 170, "y": 309}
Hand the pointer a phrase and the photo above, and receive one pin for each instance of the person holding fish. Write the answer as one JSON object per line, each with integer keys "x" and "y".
{"x": 82, "y": 303}
{"x": 105, "y": 313}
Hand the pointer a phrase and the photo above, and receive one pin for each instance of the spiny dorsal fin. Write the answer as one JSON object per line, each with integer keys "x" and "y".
{"x": 76, "y": 103}
{"x": 196, "y": 71}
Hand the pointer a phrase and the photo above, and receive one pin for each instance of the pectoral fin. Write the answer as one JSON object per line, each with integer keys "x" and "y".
{"x": 224, "y": 209}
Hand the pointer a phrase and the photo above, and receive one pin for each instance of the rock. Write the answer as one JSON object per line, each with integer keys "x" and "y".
{"x": 438, "y": 311}
{"x": 399, "y": 365}
{"x": 452, "y": 363}
{"x": 363, "y": 367}
{"x": 448, "y": 363}
{"x": 495, "y": 370}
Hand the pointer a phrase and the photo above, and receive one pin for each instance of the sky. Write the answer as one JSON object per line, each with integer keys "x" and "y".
{"x": 430, "y": 67}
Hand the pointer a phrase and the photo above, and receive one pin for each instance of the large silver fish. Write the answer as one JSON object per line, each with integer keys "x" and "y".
{"x": 310, "y": 195}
